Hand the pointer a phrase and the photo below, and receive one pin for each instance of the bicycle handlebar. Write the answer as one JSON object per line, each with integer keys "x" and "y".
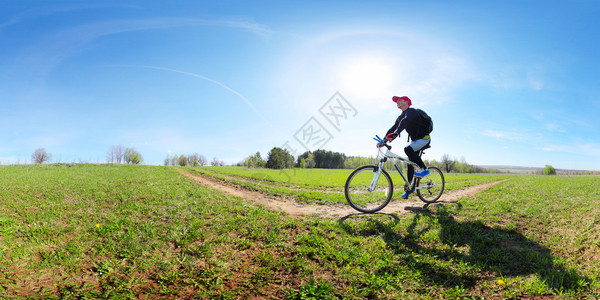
{"x": 382, "y": 142}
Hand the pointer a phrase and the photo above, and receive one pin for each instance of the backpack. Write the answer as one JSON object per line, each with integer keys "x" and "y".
{"x": 426, "y": 122}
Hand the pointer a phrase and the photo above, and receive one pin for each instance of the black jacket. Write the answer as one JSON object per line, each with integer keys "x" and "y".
{"x": 409, "y": 120}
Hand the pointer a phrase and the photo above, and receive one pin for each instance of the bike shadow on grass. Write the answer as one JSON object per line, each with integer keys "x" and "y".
{"x": 479, "y": 252}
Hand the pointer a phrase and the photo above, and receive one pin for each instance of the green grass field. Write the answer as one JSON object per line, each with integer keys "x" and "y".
{"x": 144, "y": 232}
{"x": 315, "y": 178}
{"x": 321, "y": 186}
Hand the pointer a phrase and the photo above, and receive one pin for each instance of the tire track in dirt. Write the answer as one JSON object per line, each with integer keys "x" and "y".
{"x": 336, "y": 210}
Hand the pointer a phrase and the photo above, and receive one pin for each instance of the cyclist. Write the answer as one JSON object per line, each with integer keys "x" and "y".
{"x": 410, "y": 121}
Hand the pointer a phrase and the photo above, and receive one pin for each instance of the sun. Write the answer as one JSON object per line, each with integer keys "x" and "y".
{"x": 366, "y": 77}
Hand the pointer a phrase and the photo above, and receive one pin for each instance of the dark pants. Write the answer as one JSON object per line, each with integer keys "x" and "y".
{"x": 413, "y": 155}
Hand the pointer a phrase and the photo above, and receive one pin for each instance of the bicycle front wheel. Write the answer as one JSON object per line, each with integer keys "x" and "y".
{"x": 369, "y": 190}
{"x": 431, "y": 187}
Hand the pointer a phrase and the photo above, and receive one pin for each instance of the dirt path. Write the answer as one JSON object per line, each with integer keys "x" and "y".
{"x": 331, "y": 211}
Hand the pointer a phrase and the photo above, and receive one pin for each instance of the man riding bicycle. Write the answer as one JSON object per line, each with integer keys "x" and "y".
{"x": 411, "y": 121}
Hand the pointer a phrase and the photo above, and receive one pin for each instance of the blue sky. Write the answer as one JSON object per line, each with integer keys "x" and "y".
{"x": 506, "y": 82}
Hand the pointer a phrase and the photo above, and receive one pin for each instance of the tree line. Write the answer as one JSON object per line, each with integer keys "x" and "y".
{"x": 452, "y": 165}
{"x": 115, "y": 155}
{"x": 277, "y": 158}
{"x": 280, "y": 158}
{"x": 192, "y": 160}
{"x": 119, "y": 154}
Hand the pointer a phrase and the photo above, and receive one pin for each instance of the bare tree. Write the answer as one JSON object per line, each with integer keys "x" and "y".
{"x": 202, "y": 161}
{"x": 40, "y": 156}
{"x": 192, "y": 160}
{"x": 217, "y": 162}
{"x": 119, "y": 153}
{"x": 115, "y": 154}
{"x": 448, "y": 163}
{"x": 110, "y": 156}
{"x": 196, "y": 160}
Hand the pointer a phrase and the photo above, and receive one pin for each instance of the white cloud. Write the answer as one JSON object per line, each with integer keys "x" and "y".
{"x": 535, "y": 84}
{"x": 554, "y": 127}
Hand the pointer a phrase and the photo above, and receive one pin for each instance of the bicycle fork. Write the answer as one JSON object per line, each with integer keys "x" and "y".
{"x": 376, "y": 177}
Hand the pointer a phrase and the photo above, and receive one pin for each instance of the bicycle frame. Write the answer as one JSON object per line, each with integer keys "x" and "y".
{"x": 394, "y": 157}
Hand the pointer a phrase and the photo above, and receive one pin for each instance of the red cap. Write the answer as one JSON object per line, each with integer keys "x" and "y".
{"x": 396, "y": 98}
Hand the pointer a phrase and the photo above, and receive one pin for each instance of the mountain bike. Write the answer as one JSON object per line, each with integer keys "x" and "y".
{"x": 370, "y": 188}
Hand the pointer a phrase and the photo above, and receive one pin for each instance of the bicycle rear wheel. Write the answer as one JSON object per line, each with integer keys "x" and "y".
{"x": 367, "y": 190}
{"x": 430, "y": 188}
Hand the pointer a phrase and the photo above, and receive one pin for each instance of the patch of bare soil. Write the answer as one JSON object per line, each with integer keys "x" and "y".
{"x": 330, "y": 211}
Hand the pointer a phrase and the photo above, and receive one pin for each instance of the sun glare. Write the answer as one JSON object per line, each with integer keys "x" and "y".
{"x": 366, "y": 77}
